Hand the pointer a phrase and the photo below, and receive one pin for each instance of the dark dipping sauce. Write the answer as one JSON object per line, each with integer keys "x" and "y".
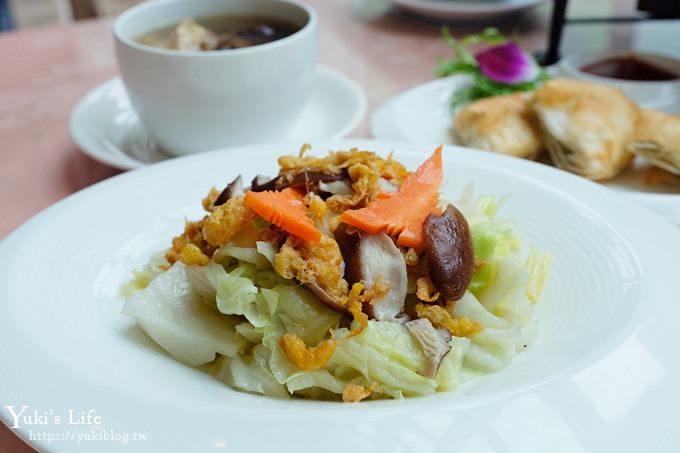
{"x": 629, "y": 68}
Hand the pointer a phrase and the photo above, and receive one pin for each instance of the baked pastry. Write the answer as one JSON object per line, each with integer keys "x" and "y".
{"x": 657, "y": 139}
{"x": 504, "y": 124}
{"x": 585, "y": 126}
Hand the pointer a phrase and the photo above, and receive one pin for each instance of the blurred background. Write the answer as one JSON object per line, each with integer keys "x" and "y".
{"x": 34, "y": 13}
{"x": 626, "y": 26}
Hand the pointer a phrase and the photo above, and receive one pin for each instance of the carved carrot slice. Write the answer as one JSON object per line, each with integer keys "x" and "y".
{"x": 286, "y": 210}
{"x": 402, "y": 214}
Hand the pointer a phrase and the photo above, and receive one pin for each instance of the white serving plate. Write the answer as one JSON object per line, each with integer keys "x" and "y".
{"x": 602, "y": 375}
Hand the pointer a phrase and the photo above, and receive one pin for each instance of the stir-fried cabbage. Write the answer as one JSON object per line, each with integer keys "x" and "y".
{"x": 233, "y": 312}
{"x": 170, "y": 311}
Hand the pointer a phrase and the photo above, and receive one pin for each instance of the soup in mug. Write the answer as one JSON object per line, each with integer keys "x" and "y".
{"x": 219, "y": 33}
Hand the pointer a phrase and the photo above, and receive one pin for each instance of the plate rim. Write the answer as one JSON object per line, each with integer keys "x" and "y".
{"x": 103, "y": 185}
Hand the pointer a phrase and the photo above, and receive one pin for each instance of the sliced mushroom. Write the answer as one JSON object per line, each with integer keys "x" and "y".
{"x": 327, "y": 299}
{"x": 435, "y": 344}
{"x": 233, "y": 189}
{"x": 308, "y": 179}
{"x": 448, "y": 247}
{"x": 261, "y": 183}
{"x": 372, "y": 259}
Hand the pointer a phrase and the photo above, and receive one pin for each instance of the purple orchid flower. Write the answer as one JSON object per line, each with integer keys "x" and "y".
{"x": 507, "y": 63}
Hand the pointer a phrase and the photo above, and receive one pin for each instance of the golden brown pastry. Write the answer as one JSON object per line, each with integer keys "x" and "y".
{"x": 586, "y": 126}
{"x": 504, "y": 124}
{"x": 657, "y": 139}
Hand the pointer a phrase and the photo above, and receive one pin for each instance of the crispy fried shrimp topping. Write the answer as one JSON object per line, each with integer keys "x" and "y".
{"x": 411, "y": 257}
{"x": 366, "y": 183}
{"x": 304, "y": 357}
{"x": 316, "y": 206}
{"x": 272, "y": 234}
{"x": 442, "y": 319}
{"x": 333, "y": 223}
{"x": 379, "y": 290}
{"x": 353, "y": 393}
{"x": 192, "y": 255}
{"x": 318, "y": 263}
{"x": 364, "y": 168}
{"x": 355, "y": 303}
{"x": 209, "y": 201}
{"x": 425, "y": 290}
{"x": 225, "y": 221}
{"x": 359, "y": 297}
{"x": 193, "y": 234}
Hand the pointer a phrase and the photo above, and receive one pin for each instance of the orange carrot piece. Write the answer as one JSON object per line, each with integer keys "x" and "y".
{"x": 286, "y": 210}
{"x": 402, "y": 214}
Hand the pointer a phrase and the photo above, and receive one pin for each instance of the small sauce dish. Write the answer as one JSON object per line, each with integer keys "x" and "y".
{"x": 651, "y": 80}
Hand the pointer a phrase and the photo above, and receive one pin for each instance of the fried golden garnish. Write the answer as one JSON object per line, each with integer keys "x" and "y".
{"x": 364, "y": 168}
{"x": 355, "y": 304}
{"x": 209, "y": 201}
{"x": 442, "y": 319}
{"x": 273, "y": 235}
{"x": 538, "y": 267}
{"x": 425, "y": 290}
{"x": 335, "y": 161}
{"x": 192, "y": 255}
{"x": 314, "y": 263}
{"x": 316, "y": 206}
{"x": 226, "y": 220}
{"x": 365, "y": 188}
{"x": 411, "y": 257}
{"x": 380, "y": 288}
{"x": 366, "y": 183}
{"x": 353, "y": 393}
{"x": 304, "y": 357}
{"x": 333, "y": 223}
{"x": 193, "y": 234}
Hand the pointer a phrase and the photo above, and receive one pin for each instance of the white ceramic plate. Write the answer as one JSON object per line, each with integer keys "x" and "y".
{"x": 467, "y": 10}
{"x": 422, "y": 115}
{"x": 106, "y": 128}
{"x": 602, "y": 375}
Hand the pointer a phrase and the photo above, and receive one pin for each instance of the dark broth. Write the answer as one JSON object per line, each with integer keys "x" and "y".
{"x": 232, "y": 31}
{"x": 628, "y": 68}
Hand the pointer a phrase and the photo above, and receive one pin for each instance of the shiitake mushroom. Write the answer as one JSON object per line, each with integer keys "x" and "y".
{"x": 448, "y": 248}
{"x": 308, "y": 179}
{"x": 233, "y": 189}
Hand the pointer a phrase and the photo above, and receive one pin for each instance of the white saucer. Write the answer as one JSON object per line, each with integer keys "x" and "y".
{"x": 467, "y": 10}
{"x": 106, "y": 128}
{"x": 422, "y": 114}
